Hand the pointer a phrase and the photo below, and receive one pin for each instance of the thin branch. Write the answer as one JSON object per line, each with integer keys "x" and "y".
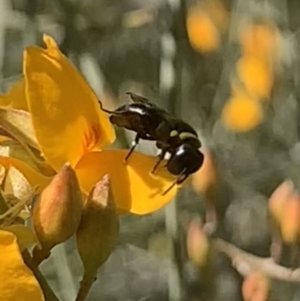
{"x": 246, "y": 263}
{"x": 48, "y": 293}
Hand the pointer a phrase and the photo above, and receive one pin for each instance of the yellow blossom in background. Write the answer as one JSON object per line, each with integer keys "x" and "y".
{"x": 17, "y": 282}
{"x": 205, "y": 22}
{"x": 70, "y": 127}
{"x": 218, "y": 13}
{"x": 205, "y": 178}
{"x": 290, "y": 221}
{"x": 279, "y": 198}
{"x": 256, "y": 74}
{"x": 202, "y": 32}
{"x": 255, "y": 69}
{"x": 198, "y": 244}
{"x": 260, "y": 40}
{"x": 241, "y": 113}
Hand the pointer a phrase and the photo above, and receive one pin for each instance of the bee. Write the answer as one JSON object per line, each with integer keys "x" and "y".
{"x": 172, "y": 135}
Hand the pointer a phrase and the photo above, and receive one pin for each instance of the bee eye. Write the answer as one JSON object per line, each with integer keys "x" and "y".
{"x": 112, "y": 119}
{"x": 173, "y": 133}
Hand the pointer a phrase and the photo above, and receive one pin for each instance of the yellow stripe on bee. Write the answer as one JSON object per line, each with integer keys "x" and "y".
{"x": 186, "y": 135}
{"x": 173, "y": 133}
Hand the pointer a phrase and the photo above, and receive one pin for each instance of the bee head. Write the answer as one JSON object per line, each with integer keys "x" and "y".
{"x": 185, "y": 157}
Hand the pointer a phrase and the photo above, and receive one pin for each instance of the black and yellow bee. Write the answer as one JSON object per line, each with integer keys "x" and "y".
{"x": 172, "y": 135}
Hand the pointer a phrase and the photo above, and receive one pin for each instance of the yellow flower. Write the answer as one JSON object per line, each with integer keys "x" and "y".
{"x": 70, "y": 127}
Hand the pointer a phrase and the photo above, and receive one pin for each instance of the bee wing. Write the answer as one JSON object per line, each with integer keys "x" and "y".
{"x": 138, "y": 98}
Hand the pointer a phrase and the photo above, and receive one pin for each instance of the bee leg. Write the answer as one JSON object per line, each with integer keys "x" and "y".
{"x": 181, "y": 178}
{"x": 161, "y": 156}
{"x": 135, "y": 142}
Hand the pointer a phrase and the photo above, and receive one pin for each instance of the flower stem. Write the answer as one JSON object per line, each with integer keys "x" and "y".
{"x": 85, "y": 286}
{"x": 47, "y": 291}
{"x": 39, "y": 255}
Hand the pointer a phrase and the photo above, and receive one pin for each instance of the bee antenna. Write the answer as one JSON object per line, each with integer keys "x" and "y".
{"x": 104, "y": 110}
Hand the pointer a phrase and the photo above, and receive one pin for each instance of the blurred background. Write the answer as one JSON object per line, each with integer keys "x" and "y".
{"x": 231, "y": 69}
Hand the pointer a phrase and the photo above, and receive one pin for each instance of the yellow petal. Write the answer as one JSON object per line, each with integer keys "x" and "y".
{"x": 25, "y": 235}
{"x": 16, "y": 279}
{"x": 135, "y": 190}
{"x": 65, "y": 111}
{"x": 33, "y": 177}
{"x": 15, "y": 98}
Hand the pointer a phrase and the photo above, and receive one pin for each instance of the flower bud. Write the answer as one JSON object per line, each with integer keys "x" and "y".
{"x": 57, "y": 211}
{"x": 98, "y": 229}
{"x": 198, "y": 246}
{"x": 256, "y": 287}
